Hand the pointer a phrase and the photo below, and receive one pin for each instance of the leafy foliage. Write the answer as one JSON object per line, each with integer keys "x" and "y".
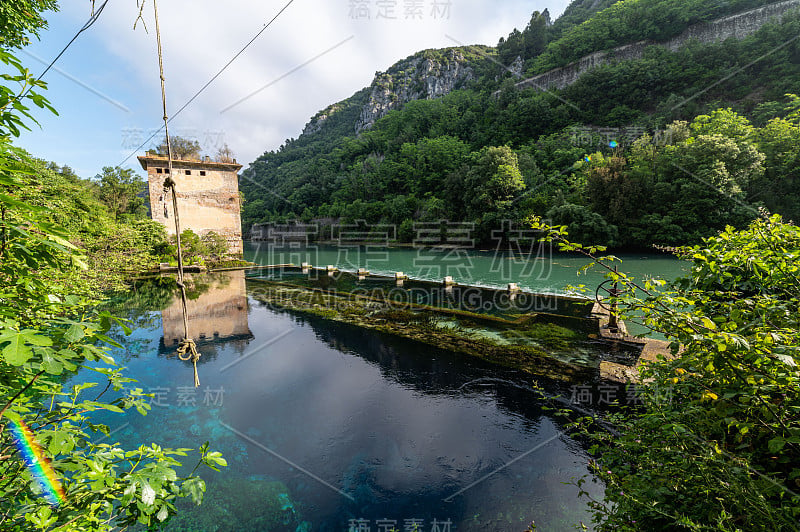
{"x": 47, "y": 331}
{"x": 122, "y": 191}
{"x": 52, "y": 230}
{"x": 716, "y": 442}
{"x": 20, "y": 19}
{"x": 182, "y": 148}
{"x": 634, "y": 20}
{"x": 197, "y": 249}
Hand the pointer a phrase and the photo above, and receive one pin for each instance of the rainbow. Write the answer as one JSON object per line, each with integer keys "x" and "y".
{"x": 36, "y": 462}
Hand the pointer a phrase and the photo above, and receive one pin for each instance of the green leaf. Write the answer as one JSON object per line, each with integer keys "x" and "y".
{"x": 51, "y": 365}
{"x": 74, "y": 333}
{"x": 34, "y": 338}
{"x": 194, "y": 487}
{"x": 708, "y": 324}
{"x": 16, "y": 353}
{"x": 776, "y": 444}
{"x": 148, "y": 494}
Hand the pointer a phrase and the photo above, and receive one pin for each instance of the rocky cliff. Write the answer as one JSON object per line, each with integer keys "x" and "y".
{"x": 427, "y": 75}
{"x": 319, "y": 119}
{"x": 737, "y": 26}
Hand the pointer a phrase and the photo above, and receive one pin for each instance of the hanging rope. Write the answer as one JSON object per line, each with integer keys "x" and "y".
{"x": 187, "y": 349}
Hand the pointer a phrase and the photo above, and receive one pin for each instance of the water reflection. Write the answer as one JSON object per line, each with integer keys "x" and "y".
{"x": 217, "y": 309}
{"x": 406, "y": 430}
{"x": 401, "y": 426}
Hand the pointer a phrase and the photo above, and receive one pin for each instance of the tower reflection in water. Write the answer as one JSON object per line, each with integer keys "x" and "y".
{"x": 217, "y": 310}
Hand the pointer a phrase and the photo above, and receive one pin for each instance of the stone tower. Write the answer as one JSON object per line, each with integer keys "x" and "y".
{"x": 208, "y": 197}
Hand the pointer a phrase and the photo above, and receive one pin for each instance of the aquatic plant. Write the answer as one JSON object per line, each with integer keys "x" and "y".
{"x": 548, "y": 335}
{"x": 241, "y": 504}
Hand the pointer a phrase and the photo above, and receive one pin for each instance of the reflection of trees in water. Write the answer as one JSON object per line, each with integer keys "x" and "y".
{"x": 145, "y": 297}
{"x": 158, "y": 293}
{"x": 431, "y": 370}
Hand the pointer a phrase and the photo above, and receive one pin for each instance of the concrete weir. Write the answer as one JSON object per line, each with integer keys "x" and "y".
{"x": 558, "y": 336}
{"x": 650, "y": 349}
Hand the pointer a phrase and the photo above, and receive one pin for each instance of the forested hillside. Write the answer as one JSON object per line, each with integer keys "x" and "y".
{"x": 105, "y": 219}
{"x": 664, "y": 149}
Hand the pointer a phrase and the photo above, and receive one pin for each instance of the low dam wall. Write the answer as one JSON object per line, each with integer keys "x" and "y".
{"x": 736, "y": 26}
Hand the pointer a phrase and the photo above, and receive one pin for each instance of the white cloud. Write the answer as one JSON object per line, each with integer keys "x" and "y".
{"x": 200, "y": 36}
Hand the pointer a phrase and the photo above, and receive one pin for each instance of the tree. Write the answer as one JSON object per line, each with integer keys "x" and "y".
{"x": 779, "y": 188}
{"x": 512, "y": 47}
{"x": 585, "y": 225}
{"x": 182, "y": 148}
{"x": 535, "y": 34}
{"x": 216, "y": 245}
{"x": 724, "y": 122}
{"x": 721, "y": 451}
{"x": 121, "y": 189}
{"x": 494, "y": 180}
{"x": 22, "y": 18}
{"x": 225, "y": 155}
{"x": 618, "y": 193}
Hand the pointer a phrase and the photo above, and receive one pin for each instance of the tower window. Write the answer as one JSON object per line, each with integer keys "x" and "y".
{"x": 202, "y": 172}
{"x": 188, "y": 172}
{"x": 158, "y": 170}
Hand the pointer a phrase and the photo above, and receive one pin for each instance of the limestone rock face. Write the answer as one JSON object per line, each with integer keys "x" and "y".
{"x": 515, "y": 68}
{"x": 427, "y": 75}
{"x": 319, "y": 119}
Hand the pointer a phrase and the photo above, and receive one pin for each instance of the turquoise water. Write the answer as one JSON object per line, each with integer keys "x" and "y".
{"x": 541, "y": 273}
{"x": 328, "y": 427}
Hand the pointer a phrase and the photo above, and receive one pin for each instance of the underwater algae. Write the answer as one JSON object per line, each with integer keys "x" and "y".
{"x": 234, "y": 504}
{"x": 527, "y": 344}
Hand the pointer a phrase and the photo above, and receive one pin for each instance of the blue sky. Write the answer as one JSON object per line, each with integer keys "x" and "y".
{"x": 115, "y": 103}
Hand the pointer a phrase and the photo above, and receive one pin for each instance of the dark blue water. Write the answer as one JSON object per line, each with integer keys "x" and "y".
{"x": 329, "y": 427}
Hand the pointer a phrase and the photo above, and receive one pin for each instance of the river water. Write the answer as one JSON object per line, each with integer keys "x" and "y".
{"x": 543, "y": 272}
{"x": 333, "y": 428}
{"x": 539, "y": 271}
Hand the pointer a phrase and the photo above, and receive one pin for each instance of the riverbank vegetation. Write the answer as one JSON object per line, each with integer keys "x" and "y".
{"x": 60, "y": 236}
{"x": 719, "y": 452}
{"x": 715, "y": 444}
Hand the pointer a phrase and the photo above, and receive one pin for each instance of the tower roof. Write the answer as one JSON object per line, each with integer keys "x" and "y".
{"x": 161, "y": 161}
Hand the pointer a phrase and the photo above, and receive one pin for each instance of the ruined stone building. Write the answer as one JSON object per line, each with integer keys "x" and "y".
{"x": 208, "y": 197}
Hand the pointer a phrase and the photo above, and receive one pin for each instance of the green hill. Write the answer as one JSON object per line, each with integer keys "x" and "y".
{"x": 447, "y": 134}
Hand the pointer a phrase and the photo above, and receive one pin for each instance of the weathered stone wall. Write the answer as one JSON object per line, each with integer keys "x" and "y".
{"x": 208, "y": 197}
{"x": 737, "y": 26}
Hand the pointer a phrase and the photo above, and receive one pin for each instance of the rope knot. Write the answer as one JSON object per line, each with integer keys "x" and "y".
{"x": 187, "y": 350}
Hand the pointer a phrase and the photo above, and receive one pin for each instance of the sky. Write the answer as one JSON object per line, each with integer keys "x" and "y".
{"x": 317, "y": 52}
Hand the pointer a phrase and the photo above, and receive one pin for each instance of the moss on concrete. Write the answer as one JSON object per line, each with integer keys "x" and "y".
{"x": 422, "y": 324}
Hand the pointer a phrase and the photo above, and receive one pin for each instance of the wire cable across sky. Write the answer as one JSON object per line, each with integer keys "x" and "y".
{"x": 210, "y": 81}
